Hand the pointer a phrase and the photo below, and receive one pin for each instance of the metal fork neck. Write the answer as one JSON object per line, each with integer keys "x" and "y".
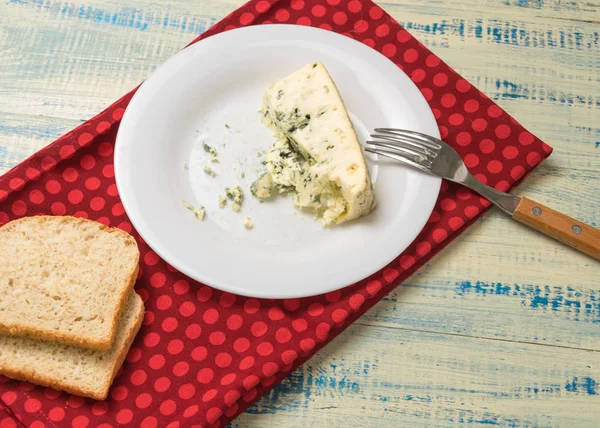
{"x": 505, "y": 201}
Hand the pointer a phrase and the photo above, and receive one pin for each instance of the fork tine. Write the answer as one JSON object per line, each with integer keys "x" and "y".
{"x": 409, "y": 132}
{"x": 417, "y": 156}
{"x": 417, "y": 137}
{"x": 406, "y": 142}
{"x": 398, "y": 157}
{"x": 423, "y": 138}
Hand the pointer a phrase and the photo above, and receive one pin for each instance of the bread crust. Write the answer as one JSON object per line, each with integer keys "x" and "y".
{"x": 82, "y": 390}
{"x": 41, "y": 333}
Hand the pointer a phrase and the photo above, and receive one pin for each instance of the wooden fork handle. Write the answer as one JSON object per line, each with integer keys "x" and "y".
{"x": 559, "y": 226}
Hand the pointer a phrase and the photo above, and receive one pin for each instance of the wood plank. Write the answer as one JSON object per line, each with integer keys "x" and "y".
{"x": 414, "y": 379}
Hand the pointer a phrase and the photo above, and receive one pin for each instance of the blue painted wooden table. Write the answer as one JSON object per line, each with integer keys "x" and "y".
{"x": 501, "y": 328}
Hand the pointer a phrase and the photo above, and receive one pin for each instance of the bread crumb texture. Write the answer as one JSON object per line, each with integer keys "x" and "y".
{"x": 65, "y": 279}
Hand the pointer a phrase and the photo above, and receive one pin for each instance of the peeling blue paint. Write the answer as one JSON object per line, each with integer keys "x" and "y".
{"x": 46, "y": 132}
{"x": 588, "y": 131}
{"x": 507, "y": 89}
{"x": 129, "y": 17}
{"x": 512, "y": 33}
{"x": 580, "y": 304}
{"x": 306, "y": 384}
{"x": 497, "y": 31}
{"x": 10, "y": 159}
{"x": 487, "y": 421}
{"x": 586, "y": 386}
{"x": 575, "y": 385}
{"x": 468, "y": 417}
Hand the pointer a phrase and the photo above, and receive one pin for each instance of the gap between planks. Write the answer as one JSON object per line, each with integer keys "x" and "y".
{"x": 469, "y": 336}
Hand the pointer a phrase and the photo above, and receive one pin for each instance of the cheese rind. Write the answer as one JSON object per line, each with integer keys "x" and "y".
{"x": 317, "y": 155}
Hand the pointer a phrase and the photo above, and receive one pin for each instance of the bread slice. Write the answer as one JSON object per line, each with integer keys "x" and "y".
{"x": 65, "y": 279}
{"x": 69, "y": 368}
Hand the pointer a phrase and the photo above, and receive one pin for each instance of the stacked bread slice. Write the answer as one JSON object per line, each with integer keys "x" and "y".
{"x": 68, "y": 312}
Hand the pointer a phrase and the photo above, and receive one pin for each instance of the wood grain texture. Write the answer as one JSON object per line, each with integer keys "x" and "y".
{"x": 503, "y": 326}
{"x": 561, "y": 227}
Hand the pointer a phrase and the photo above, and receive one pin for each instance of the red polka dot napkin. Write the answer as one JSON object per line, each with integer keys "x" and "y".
{"x": 202, "y": 355}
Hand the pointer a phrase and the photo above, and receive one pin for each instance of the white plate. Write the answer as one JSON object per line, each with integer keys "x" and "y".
{"x": 219, "y": 81}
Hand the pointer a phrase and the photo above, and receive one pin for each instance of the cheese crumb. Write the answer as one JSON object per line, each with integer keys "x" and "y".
{"x": 236, "y": 195}
{"x": 208, "y": 149}
{"x": 222, "y": 201}
{"x": 248, "y": 223}
{"x": 212, "y": 152}
{"x": 198, "y": 212}
{"x": 209, "y": 171}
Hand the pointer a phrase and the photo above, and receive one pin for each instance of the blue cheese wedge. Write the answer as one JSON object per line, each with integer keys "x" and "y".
{"x": 317, "y": 156}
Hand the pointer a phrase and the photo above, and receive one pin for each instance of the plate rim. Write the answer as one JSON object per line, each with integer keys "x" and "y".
{"x": 172, "y": 258}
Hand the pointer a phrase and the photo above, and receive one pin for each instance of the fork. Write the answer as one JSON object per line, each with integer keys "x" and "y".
{"x": 435, "y": 157}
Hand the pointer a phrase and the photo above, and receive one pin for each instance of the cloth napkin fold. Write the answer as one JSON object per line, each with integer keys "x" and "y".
{"x": 203, "y": 356}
